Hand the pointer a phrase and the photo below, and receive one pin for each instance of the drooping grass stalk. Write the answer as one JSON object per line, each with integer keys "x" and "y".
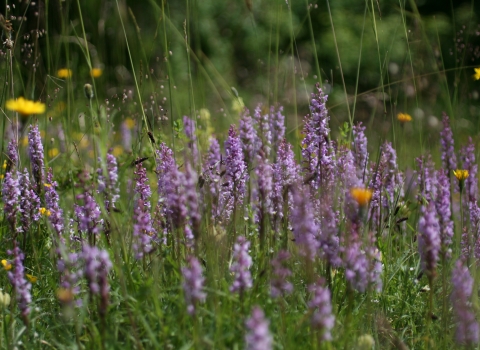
{"x": 170, "y": 76}
{"x": 312, "y": 37}
{"x": 358, "y": 69}
{"x": 294, "y": 84}
{"x": 380, "y": 64}
{"x": 137, "y": 87}
{"x": 350, "y": 117}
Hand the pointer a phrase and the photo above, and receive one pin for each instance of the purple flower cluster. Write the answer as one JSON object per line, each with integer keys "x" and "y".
{"x": 165, "y": 162}
{"x": 329, "y": 235}
{"x": 88, "y": 215}
{"x": 429, "y": 243}
{"x": 211, "y": 170}
{"x": 392, "y": 179}
{"x": 191, "y": 198}
{"x": 362, "y": 263}
{"x": 97, "y": 267}
{"x": 258, "y": 336}
{"x": 263, "y": 191}
{"x": 176, "y": 198}
{"x": 236, "y": 176}
{"x": 442, "y": 205}
{"x": 29, "y": 207}
{"x": 315, "y": 145}
{"x": 52, "y": 204}
{"x": 346, "y": 172}
{"x": 12, "y": 155}
{"x": 142, "y": 230}
{"x": 467, "y": 330}
{"x": 280, "y": 272}
{"x": 305, "y": 230}
{"x": 108, "y": 185}
{"x": 71, "y": 272}
{"x": 248, "y": 136}
{"x": 449, "y": 159}
{"x": 427, "y": 179}
{"x": 321, "y": 307}
{"x": 277, "y": 126}
{"x": 35, "y": 151}
{"x": 360, "y": 152}
{"x": 11, "y": 198}
{"x": 285, "y": 174}
{"x": 21, "y": 286}
{"x": 469, "y": 163}
{"x": 142, "y": 222}
{"x": 242, "y": 262}
{"x": 142, "y": 186}
{"x": 193, "y": 281}
{"x": 264, "y": 132}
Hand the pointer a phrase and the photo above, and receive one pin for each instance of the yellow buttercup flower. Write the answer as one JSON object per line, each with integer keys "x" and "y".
{"x": 404, "y": 117}
{"x": 64, "y": 73}
{"x": 25, "y": 107}
{"x": 44, "y": 211}
{"x": 31, "y": 278}
{"x": 53, "y": 152}
{"x": 96, "y": 72}
{"x": 460, "y": 174}
{"x": 362, "y": 196}
{"x": 6, "y": 265}
{"x": 476, "y": 76}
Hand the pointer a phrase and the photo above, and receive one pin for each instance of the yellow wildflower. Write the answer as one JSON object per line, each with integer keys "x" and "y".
{"x": 117, "y": 150}
{"x": 96, "y": 72}
{"x": 44, "y": 211}
{"x": 130, "y": 123}
{"x": 404, "y": 117}
{"x": 4, "y": 166}
{"x": 77, "y": 136}
{"x": 460, "y": 174}
{"x": 64, "y": 73}
{"x": 362, "y": 196}
{"x": 476, "y": 76}
{"x": 25, "y": 107}
{"x": 84, "y": 143}
{"x": 2, "y": 176}
{"x": 6, "y": 265}
{"x": 31, "y": 278}
{"x": 53, "y": 152}
{"x": 65, "y": 295}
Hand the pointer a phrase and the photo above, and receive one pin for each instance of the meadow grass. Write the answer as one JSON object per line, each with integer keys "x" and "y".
{"x": 221, "y": 174}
